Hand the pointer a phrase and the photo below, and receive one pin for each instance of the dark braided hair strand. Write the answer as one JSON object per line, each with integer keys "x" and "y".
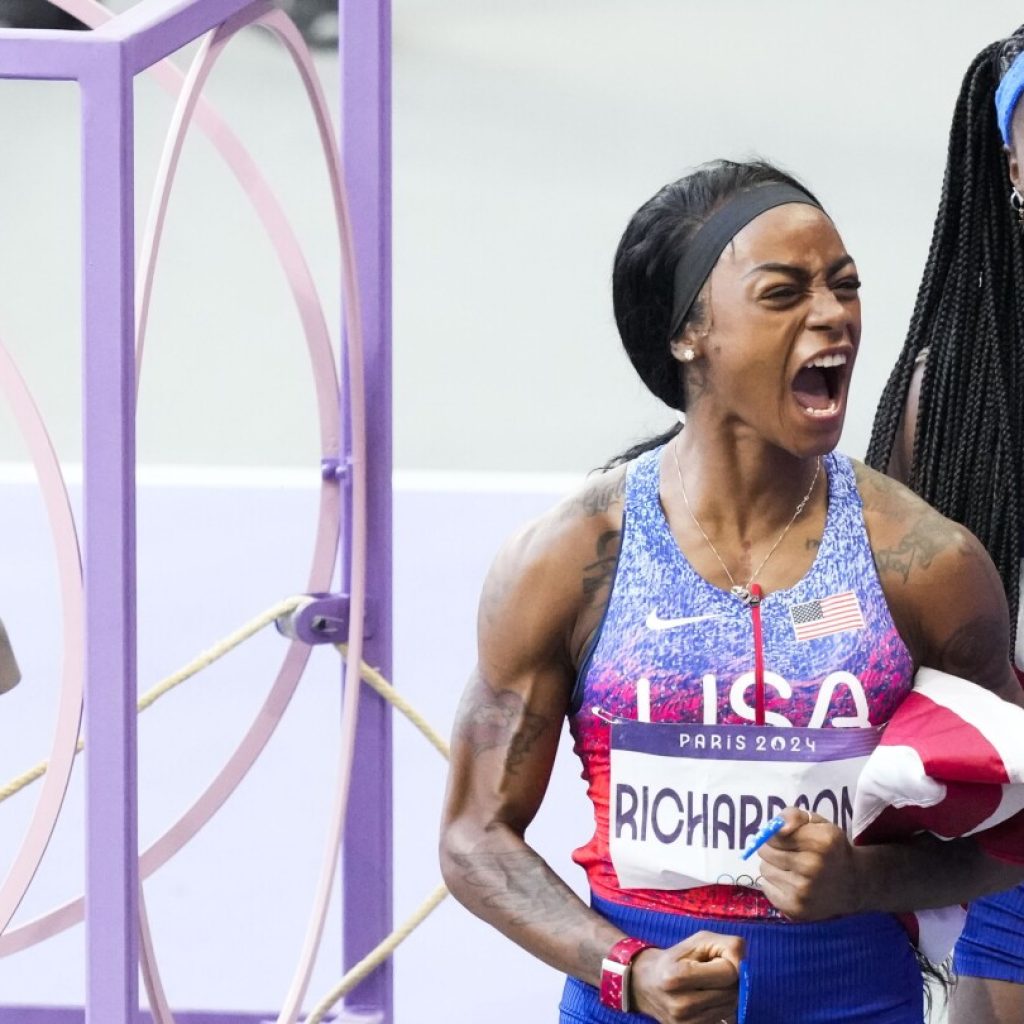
{"x": 969, "y": 315}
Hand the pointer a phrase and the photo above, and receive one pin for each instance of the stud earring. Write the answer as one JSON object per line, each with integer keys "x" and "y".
{"x": 689, "y": 355}
{"x": 1017, "y": 202}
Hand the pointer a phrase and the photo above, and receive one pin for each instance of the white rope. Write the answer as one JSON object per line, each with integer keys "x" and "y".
{"x": 378, "y": 955}
{"x": 375, "y": 681}
{"x": 194, "y": 667}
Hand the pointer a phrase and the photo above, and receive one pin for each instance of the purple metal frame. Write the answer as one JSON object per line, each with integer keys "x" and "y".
{"x": 365, "y": 53}
{"x": 104, "y": 63}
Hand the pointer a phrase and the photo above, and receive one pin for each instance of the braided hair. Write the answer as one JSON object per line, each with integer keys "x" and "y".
{"x": 969, "y": 315}
{"x": 657, "y": 237}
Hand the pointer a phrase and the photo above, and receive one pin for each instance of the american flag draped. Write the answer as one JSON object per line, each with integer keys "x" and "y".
{"x": 950, "y": 762}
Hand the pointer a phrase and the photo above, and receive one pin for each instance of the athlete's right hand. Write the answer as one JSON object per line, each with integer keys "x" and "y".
{"x": 694, "y": 982}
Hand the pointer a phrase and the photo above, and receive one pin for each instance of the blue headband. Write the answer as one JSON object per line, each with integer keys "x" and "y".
{"x": 1008, "y": 94}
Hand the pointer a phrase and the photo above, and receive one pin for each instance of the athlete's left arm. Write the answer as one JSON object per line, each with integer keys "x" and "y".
{"x": 947, "y": 601}
{"x": 943, "y": 591}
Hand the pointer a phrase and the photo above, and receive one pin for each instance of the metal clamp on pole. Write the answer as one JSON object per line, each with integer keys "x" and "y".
{"x": 321, "y": 619}
{"x": 334, "y": 469}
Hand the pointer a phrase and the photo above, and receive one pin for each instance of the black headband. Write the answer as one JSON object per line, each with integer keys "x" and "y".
{"x": 716, "y": 233}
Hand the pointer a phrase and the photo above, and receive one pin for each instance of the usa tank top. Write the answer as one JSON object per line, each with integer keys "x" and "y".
{"x": 673, "y": 648}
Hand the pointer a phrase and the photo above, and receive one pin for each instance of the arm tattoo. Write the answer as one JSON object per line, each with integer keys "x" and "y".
{"x": 598, "y": 575}
{"x": 494, "y": 719}
{"x": 519, "y": 886}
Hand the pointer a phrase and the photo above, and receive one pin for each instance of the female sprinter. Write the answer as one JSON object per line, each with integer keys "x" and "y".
{"x": 706, "y": 615}
{"x": 961, "y": 443}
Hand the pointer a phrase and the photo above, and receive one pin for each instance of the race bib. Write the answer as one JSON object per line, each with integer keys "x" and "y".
{"x": 686, "y": 798}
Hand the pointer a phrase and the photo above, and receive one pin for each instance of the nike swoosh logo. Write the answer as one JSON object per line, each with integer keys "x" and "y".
{"x": 655, "y": 621}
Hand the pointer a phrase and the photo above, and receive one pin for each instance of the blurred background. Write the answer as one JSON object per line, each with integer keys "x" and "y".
{"x": 526, "y": 132}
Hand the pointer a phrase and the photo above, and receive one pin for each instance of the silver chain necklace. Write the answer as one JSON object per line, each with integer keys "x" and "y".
{"x": 743, "y": 592}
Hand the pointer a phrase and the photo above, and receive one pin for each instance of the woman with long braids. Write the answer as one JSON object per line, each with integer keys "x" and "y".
{"x": 951, "y": 420}
{"x": 724, "y": 617}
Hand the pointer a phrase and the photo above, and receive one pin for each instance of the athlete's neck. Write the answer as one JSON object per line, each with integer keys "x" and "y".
{"x": 741, "y": 488}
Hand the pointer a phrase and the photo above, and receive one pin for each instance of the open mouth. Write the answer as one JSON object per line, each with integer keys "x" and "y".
{"x": 818, "y": 385}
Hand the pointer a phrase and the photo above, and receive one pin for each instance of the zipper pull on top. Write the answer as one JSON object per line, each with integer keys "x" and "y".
{"x": 756, "y": 594}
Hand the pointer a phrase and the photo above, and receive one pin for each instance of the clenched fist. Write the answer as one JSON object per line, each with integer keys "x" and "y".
{"x": 695, "y": 981}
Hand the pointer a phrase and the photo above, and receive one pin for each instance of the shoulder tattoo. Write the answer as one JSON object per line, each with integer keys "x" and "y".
{"x": 596, "y": 498}
{"x": 926, "y": 538}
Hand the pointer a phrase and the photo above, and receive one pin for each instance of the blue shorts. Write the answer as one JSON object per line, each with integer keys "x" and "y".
{"x": 992, "y": 945}
{"x": 850, "y": 970}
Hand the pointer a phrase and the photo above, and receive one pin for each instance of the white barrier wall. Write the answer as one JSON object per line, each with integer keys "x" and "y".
{"x": 229, "y": 912}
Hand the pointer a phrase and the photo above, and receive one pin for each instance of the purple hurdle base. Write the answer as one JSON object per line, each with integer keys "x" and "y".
{"x": 76, "y": 1015}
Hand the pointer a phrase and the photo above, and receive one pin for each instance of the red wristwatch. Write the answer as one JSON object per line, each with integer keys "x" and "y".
{"x": 615, "y": 970}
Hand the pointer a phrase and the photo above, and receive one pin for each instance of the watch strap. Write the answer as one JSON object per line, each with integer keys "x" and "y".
{"x": 615, "y": 971}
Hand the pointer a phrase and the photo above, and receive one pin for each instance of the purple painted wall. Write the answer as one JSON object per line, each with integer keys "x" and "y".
{"x": 228, "y": 913}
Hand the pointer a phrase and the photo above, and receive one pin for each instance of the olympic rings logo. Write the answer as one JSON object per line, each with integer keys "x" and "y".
{"x": 744, "y": 881}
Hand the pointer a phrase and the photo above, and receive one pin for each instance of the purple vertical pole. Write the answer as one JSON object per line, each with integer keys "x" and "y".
{"x": 365, "y": 53}
{"x": 111, "y": 902}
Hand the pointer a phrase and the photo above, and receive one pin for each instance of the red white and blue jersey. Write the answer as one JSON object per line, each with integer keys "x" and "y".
{"x": 673, "y": 648}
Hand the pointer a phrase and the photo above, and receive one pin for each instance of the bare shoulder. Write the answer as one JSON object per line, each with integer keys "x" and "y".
{"x": 943, "y": 591}
{"x": 548, "y": 585}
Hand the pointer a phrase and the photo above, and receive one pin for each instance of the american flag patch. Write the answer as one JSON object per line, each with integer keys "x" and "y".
{"x": 838, "y": 613}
